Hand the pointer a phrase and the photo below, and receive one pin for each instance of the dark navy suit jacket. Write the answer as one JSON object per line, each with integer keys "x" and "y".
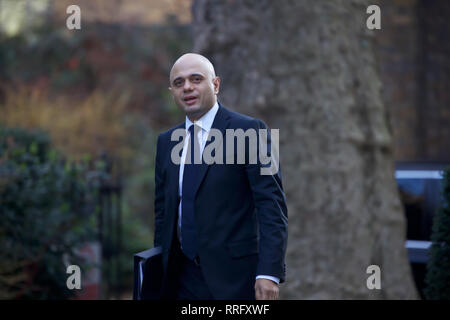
{"x": 241, "y": 216}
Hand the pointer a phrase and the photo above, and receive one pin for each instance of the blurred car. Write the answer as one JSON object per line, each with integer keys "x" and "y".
{"x": 419, "y": 185}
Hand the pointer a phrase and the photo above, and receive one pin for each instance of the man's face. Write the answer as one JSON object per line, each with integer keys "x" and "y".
{"x": 193, "y": 85}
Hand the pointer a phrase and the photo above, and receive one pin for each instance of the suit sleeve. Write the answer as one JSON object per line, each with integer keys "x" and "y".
{"x": 159, "y": 193}
{"x": 271, "y": 210}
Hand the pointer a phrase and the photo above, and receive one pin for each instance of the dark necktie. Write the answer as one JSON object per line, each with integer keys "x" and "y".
{"x": 190, "y": 175}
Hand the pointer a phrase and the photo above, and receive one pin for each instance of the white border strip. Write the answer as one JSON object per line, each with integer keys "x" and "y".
{"x": 418, "y": 174}
{"x": 417, "y": 244}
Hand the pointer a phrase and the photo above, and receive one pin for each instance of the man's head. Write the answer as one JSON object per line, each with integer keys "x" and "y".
{"x": 194, "y": 84}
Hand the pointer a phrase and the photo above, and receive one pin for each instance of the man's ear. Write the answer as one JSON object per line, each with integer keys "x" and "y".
{"x": 216, "y": 83}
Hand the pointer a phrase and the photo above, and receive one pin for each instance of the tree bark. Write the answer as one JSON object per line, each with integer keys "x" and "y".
{"x": 308, "y": 68}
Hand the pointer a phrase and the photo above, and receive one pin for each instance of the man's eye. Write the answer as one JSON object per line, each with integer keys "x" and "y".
{"x": 197, "y": 79}
{"x": 177, "y": 83}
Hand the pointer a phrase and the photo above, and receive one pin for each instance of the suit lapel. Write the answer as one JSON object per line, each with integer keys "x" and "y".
{"x": 220, "y": 122}
{"x": 174, "y": 169}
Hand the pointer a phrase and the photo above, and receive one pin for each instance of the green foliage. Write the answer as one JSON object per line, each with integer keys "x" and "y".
{"x": 47, "y": 206}
{"x": 108, "y": 58}
{"x": 438, "y": 269}
{"x": 71, "y": 85}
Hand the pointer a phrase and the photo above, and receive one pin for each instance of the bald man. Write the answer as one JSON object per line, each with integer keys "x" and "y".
{"x": 222, "y": 226}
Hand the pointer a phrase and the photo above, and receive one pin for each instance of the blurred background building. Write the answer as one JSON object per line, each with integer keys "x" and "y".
{"x": 414, "y": 61}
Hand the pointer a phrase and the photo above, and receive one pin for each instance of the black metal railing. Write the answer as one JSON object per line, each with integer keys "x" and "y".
{"x": 109, "y": 225}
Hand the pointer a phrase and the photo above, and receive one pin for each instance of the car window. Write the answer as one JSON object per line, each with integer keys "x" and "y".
{"x": 420, "y": 198}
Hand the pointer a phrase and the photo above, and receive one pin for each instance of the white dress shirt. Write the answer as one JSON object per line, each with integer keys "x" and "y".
{"x": 205, "y": 122}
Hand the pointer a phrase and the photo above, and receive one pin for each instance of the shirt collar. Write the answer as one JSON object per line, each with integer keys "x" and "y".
{"x": 206, "y": 121}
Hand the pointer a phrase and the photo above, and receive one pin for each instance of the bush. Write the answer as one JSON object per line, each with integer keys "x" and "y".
{"x": 438, "y": 270}
{"x": 47, "y": 212}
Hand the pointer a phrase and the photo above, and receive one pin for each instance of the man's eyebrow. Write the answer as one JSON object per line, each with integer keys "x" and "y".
{"x": 196, "y": 75}
{"x": 191, "y": 75}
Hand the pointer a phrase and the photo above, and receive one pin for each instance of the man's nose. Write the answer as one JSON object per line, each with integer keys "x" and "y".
{"x": 187, "y": 85}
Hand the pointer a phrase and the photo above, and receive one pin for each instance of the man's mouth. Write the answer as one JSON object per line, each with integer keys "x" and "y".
{"x": 190, "y": 100}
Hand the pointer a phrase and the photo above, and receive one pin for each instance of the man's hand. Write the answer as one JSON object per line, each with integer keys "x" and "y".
{"x": 266, "y": 289}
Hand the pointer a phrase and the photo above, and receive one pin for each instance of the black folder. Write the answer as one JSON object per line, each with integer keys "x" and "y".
{"x": 148, "y": 274}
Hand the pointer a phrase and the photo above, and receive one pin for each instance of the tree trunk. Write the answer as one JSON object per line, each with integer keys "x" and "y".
{"x": 308, "y": 68}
